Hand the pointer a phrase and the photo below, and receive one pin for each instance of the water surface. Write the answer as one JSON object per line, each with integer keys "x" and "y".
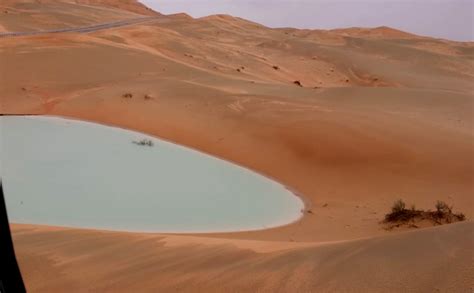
{"x": 80, "y": 174}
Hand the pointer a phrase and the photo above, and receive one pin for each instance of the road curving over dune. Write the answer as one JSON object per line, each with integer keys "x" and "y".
{"x": 83, "y": 29}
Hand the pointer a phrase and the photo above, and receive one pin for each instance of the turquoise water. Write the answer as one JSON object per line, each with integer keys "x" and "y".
{"x": 79, "y": 174}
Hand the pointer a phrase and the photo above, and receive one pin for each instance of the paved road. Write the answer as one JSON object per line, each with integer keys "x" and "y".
{"x": 84, "y": 29}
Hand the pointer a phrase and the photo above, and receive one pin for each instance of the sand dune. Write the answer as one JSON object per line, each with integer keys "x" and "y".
{"x": 381, "y": 115}
{"x": 20, "y": 16}
{"x": 431, "y": 260}
{"x": 378, "y": 32}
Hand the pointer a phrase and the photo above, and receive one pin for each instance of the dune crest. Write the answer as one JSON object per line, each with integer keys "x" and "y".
{"x": 377, "y": 32}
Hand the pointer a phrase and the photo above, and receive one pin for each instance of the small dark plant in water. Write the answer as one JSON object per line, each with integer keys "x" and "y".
{"x": 401, "y": 216}
{"x": 144, "y": 142}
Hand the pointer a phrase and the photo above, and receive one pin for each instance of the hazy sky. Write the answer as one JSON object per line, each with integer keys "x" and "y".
{"x": 450, "y": 19}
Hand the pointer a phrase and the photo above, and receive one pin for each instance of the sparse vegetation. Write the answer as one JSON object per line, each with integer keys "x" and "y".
{"x": 144, "y": 142}
{"x": 148, "y": 97}
{"x": 276, "y": 67}
{"x": 401, "y": 216}
{"x": 442, "y": 207}
{"x": 298, "y": 83}
{"x": 398, "y": 206}
{"x": 127, "y": 95}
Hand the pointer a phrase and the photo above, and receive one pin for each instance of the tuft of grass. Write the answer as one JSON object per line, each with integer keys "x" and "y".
{"x": 298, "y": 83}
{"x": 400, "y": 215}
{"x": 148, "y": 97}
{"x": 398, "y": 206}
{"x": 442, "y": 207}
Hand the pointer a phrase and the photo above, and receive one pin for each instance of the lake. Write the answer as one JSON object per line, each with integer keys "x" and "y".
{"x": 72, "y": 173}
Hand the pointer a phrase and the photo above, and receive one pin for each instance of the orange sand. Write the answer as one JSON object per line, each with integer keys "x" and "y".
{"x": 378, "y": 118}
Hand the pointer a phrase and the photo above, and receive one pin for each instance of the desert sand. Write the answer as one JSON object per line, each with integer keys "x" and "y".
{"x": 380, "y": 115}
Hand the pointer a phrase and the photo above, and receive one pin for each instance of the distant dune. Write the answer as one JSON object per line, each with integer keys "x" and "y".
{"x": 126, "y": 5}
{"x": 352, "y": 119}
{"x": 378, "y": 32}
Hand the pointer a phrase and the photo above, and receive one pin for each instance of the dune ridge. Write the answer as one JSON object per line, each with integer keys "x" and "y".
{"x": 352, "y": 119}
{"x": 124, "y": 262}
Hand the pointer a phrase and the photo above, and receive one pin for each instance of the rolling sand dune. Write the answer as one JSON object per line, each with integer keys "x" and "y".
{"x": 382, "y": 32}
{"x": 51, "y": 14}
{"x": 380, "y": 115}
{"x": 431, "y": 260}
